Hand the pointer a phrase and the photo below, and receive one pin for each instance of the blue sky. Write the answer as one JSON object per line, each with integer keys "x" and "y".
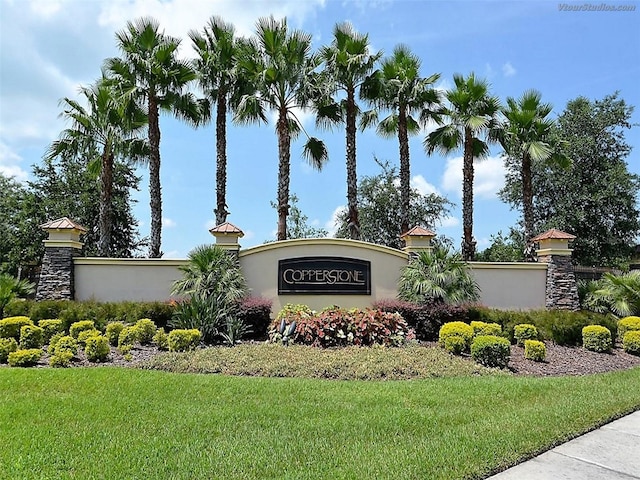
{"x": 50, "y": 47}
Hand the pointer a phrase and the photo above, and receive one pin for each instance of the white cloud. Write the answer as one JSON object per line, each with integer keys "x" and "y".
{"x": 173, "y": 254}
{"x": 331, "y": 225}
{"x": 508, "y": 70}
{"x": 425, "y": 188}
{"x": 9, "y": 164}
{"x": 448, "y": 222}
{"x": 488, "y": 70}
{"x": 168, "y": 223}
{"x": 488, "y": 177}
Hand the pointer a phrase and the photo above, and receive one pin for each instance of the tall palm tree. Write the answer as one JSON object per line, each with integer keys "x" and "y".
{"x": 216, "y": 67}
{"x": 472, "y": 116}
{"x": 280, "y": 66}
{"x": 527, "y": 136}
{"x": 398, "y": 87}
{"x": 150, "y": 73}
{"x": 106, "y": 128}
{"x": 348, "y": 61}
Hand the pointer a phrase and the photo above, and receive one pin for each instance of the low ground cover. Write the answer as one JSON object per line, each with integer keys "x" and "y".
{"x": 126, "y": 423}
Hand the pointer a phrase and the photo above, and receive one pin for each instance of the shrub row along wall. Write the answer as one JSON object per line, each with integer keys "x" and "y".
{"x": 503, "y": 285}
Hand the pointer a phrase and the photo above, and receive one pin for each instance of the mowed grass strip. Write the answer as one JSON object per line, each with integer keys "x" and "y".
{"x": 116, "y": 423}
{"x": 350, "y": 363}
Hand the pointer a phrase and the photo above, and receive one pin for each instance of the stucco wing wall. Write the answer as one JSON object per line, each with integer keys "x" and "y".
{"x": 260, "y": 268}
{"x": 114, "y": 280}
{"x": 515, "y": 286}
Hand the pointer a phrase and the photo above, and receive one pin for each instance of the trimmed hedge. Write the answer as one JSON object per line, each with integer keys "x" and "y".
{"x": 7, "y": 345}
{"x": 51, "y": 327}
{"x": 535, "y": 350}
{"x": 628, "y": 324}
{"x": 112, "y": 332}
{"x": 525, "y": 331}
{"x": 255, "y": 312}
{"x": 631, "y": 342}
{"x": 184, "y": 340}
{"x": 25, "y": 358}
{"x": 146, "y": 330}
{"x": 596, "y": 338}
{"x": 81, "y": 326}
{"x": 10, "y": 327}
{"x": 491, "y": 351}
{"x": 97, "y": 349}
{"x": 484, "y": 328}
{"x": 31, "y": 337}
{"x": 455, "y": 344}
{"x": 456, "y": 329}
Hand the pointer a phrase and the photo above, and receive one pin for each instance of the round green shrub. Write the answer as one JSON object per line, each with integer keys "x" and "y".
{"x": 484, "y": 328}
{"x": 52, "y": 342}
{"x": 25, "y": 358}
{"x": 535, "y": 350}
{"x": 146, "y": 330}
{"x": 491, "y": 351}
{"x": 631, "y": 342}
{"x": 7, "y": 345}
{"x": 455, "y": 344}
{"x": 112, "y": 332}
{"x": 81, "y": 326}
{"x": 31, "y": 337}
{"x": 525, "y": 331}
{"x": 459, "y": 329}
{"x": 85, "y": 335}
{"x": 61, "y": 359}
{"x": 183, "y": 340}
{"x": 128, "y": 336}
{"x": 65, "y": 344}
{"x": 627, "y": 324}
{"x": 10, "y": 326}
{"x": 161, "y": 339}
{"x": 596, "y": 338}
{"x": 51, "y": 327}
{"x": 97, "y": 349}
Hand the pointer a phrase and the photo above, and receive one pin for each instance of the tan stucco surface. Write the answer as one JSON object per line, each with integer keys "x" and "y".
{"x": 516, "y": 286}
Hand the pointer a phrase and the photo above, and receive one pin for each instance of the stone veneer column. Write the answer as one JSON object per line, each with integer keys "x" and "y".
{"x": 561, "y": 287}
{"x": 56, "y": 280}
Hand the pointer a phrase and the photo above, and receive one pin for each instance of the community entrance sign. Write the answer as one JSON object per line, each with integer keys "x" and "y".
{"x": 324, "y": 275}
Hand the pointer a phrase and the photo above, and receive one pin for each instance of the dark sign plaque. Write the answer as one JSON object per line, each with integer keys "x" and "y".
{"x": 324, "y": 275}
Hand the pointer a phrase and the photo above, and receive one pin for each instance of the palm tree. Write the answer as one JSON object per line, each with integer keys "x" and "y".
{"x": 526, "y": 137}
{"x": 618, "y": 294}
{"x": 11, "y": 288}
{"x": 150, "y": 73}
{"x": 280, "y": 66}
{"x": 106, "y": 128}
{"x": 398, "y": 87}
{"x": 437, "y": 276}
{"x": 216, "y": 67}
{"x": 348, "y": 61}
{"x": 472, "y": 116}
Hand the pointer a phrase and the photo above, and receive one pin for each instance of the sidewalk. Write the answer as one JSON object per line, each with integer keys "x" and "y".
{"x": 610, "y": 452}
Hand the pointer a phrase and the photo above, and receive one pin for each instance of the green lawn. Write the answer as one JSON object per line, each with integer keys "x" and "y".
{"x": 116, "y": 423}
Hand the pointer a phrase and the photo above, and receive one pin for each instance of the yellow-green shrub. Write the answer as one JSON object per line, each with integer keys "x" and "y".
{"x": 7, "y": 345}
{"x": 535, "y": 350}
{"x": 51, "y": 327}
{"x": 183, "y": 340}
{"x": 484, "y": 328}
{"x": 596, "y": 338}
{"x": 146, "y": 330}
{"x": 627, "y": 324}
{"x": 161, "y": 339}
{"x": 25, "y": 358}
{"x": 10, "y": 326}
{"x": 61, "y": 359}
{"x": 85, "y": 335}
{"x": 97, "y": 349}
{"x": 455, "y": 344}
{"x": 491, "y": 351}
{"x": 52, "y": 342}
{"x": 112, "y": 332}
{"x": 81, "y": 326}
{"x": 128, "y": 336}
{"x": 459, "y": 329}
{"x": 631, "y": 342}
{"x": 65, "y": 344}
{"x": 525, "y": 331}
{"x": 31, "y": 337}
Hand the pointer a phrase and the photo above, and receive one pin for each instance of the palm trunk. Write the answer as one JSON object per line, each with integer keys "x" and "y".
{"x": 155, "y": 193}
{"x": 352, "y": 178}
{"x": 527, "y": 198}
{"x": 403, "y": 139}
{"x": 106, "y": 191}
{"x": 468, "y": 244}
{"x": 221, "y": 158}
{"x": 284, "y": 154}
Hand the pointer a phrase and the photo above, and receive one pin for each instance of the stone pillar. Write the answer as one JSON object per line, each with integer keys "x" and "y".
{"x": 561, "y": 288}
{"x": 227, "y": 236}
{"x": 417, "y": 240}
{"x": 63, "y": 243}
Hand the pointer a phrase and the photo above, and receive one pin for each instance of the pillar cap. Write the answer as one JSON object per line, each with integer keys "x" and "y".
{"x": 418, "y": 232}
{"x": 553, "y": 242}
{"x": 226, "y": 228}
{"x": 64, "y": 223}
{"x": 553, "y": 234}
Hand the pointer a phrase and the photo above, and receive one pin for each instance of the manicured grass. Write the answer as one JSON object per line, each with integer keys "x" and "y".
{"x": 116, "y": 423}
